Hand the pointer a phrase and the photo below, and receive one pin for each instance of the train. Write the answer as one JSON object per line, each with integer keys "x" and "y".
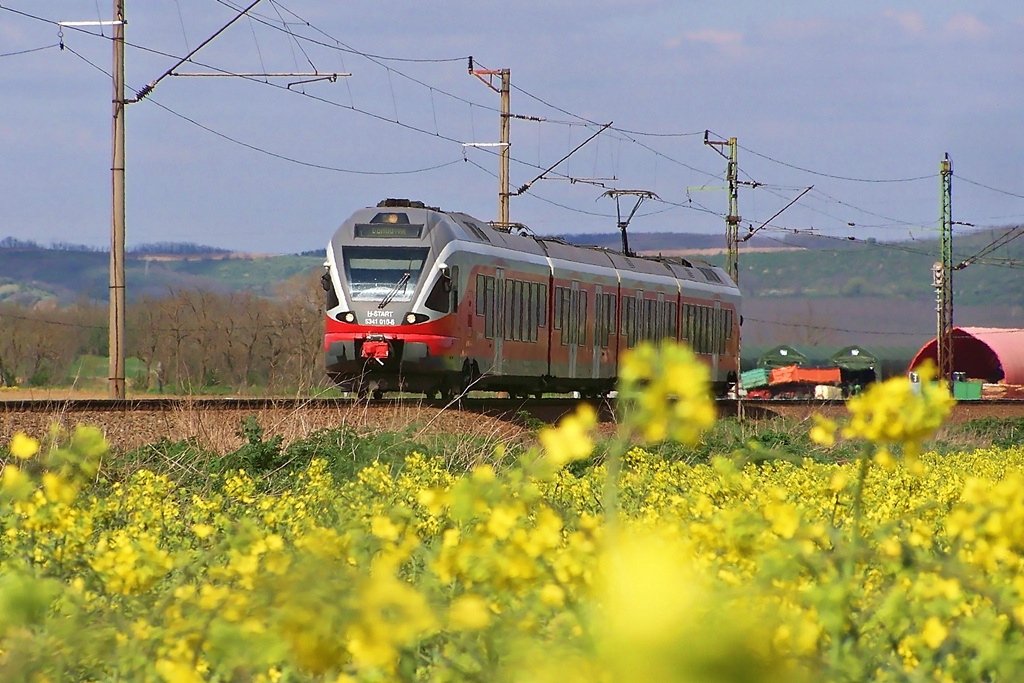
{"x": 422, "y": 300}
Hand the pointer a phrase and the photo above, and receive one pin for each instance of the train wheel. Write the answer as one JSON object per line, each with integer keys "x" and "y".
{"x": 362, "y": 392}
{"x": 378, "y": 394}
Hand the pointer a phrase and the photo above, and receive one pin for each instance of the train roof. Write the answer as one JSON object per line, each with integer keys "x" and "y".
{"x": 457, "y": 225}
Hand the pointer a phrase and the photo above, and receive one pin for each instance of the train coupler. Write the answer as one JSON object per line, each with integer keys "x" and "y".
{"x": 376, "y": 347}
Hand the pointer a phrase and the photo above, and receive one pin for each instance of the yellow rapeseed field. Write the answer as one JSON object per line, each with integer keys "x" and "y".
{"x": 895, "y": 566}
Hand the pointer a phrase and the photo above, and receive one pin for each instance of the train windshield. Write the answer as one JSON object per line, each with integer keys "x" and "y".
{"x": 379, "y": 273}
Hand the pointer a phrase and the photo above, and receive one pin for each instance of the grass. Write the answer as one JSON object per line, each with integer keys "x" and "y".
{"x": 347, "y": 450}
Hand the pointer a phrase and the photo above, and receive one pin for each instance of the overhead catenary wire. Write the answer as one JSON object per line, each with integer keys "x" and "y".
{"x": 281, "y": 23}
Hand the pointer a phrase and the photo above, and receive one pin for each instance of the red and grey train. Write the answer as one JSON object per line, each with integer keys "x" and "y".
{"x": 432, "y": 301}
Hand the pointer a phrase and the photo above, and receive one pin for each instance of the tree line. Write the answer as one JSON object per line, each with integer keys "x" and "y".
{"x": 189, "y": 341}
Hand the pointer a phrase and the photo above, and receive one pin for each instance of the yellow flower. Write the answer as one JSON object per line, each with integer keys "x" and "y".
{"x": 16, "y": 483}
{"x": 571, "y": 440}
{"x": 384, "y": 529}
{"x": 895, "y": 411}
{"x": 785, "y": 519}
{"x": 552, "y": 595}
{"x": 23, "y": 446}
{"x": 840, "y": 478}
{"x": 934, "y": 632}
{"x": 668, "y": 392}
{"x": 823, "y": 432}
{"x": 202, "y": 530}
{"x": 469, "y": 613}
{"x": 177, "y": 672}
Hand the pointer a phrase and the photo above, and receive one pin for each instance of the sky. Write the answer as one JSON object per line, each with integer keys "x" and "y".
{"x": 860, "y": 101}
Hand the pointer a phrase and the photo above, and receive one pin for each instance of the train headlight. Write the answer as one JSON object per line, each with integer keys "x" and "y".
{"x": 349, "y": 317}
{"x": 413, "y": 318}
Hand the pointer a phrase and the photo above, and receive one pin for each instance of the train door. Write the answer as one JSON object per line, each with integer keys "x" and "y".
{"x": 574, "y": 325}
{"x": 499, "y": 319}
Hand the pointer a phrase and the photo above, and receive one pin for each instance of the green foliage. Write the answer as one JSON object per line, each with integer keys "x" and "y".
{"x": 257, "y": 456}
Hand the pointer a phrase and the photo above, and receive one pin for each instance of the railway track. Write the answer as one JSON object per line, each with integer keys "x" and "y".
{"x": 547, "y": 409}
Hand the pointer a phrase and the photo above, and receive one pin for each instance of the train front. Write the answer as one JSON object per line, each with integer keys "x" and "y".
{"x": 391, "y": 301}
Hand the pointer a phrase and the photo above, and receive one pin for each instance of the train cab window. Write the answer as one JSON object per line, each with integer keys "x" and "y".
{"x": 728, "y": 323}
{"x": 374, "y": 273}
{"x": 439, "y": 298}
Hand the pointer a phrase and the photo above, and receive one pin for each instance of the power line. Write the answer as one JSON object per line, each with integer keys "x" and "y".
{"x": 993, "y": 189}
{"x": 267, "y": 152}
{"x": 829, "y": 329}
{"x": 25, "y": 52}
{"x": 837, "y": 177}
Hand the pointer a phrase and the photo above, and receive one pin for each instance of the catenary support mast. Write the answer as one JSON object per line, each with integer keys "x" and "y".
{"x": 942, "y": 277}
{"x": 117, "y": 231}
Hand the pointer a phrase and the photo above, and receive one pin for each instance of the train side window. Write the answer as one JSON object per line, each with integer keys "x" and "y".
{"x": 696, "y": 311}
{"x": 600, "y": 301}
{"x": 499, "y": 308}
{"x": 542, "y": 306}
{"x": 556, "y": 316}
{"x": 695, "y": 327}
{"x": 572, "y": 324}
{"x": 716, "y": 325}
{"x": 628, "y": 312}
{"x": 612, "y": 318}
{"x": 524, "y": 311}
{"x": 509, "y": 300}
{"x": 670, "y": 320}
{"x": 684, "y": 327}
{"x": 705, "y": 330}
{"x": 583, "y": 318}
{"x": 720, "y": 346}
{"x": 728, "y": 323}
{"x": 698, "y": 333}
{"x": 535, "y": 311}
{"x": 488, "y": 307}
{"x": 481, "y": 293}
{"x": 517, "y": 312}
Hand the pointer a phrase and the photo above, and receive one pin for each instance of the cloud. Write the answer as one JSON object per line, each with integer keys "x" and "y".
{"x": 912, "y": 22}
{"x": 803, "y": 29}
{"x": 966, "y": 26}
{"x": 728, "y": 42}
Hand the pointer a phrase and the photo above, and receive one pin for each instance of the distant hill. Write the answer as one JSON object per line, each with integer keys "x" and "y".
{"x": 30, "y": 274}
{"x": 797, "y": 288}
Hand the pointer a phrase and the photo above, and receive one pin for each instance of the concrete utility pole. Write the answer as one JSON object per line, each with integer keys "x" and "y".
{"x": 503, "y": 155}
{"x": 942, "y": 278}
{"x": 116, "y": 372}
{"x": 117, "y": 275}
